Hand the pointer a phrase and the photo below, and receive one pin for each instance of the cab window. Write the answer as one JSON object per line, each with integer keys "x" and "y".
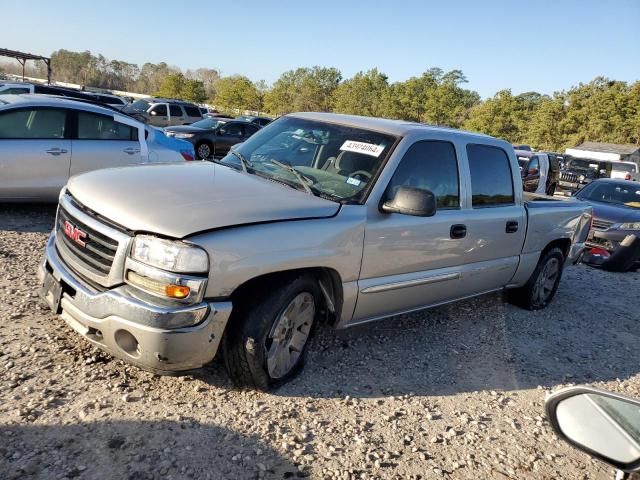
{"x": 491, "y": 179}
{"x": 92, "y": 126}
{"x": 430, "y": 165}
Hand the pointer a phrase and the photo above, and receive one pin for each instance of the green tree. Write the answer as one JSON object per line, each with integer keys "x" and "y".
{"x": 497, "y": 116}
{"x": 364, "y": 94}
{"x": 303, "y": 90}
{"x": 434, "y": 97}
{"x": 238, "y": 93}
{"x": 193, "y": 91}
{"x": 172, "y": 86}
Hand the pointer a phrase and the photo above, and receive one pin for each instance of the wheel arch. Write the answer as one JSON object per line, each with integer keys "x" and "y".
{"x": 328, "y": 279}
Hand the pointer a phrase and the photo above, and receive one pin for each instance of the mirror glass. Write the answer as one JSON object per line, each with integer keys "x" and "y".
{"x": 605, "y": 425}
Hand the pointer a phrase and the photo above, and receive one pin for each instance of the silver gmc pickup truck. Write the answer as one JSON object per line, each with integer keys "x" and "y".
{"x": 316, "y": 217}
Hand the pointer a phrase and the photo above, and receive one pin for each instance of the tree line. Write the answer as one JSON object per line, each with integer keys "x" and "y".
{"x": 601, "y": 110}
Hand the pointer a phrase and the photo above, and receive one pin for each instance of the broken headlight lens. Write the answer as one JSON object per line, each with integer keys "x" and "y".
{"x": 171, "y": 255}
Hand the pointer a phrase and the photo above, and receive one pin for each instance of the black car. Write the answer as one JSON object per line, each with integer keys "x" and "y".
{"x": 260, "y": 121}
{"x": 578, "y": 172}
{"x": 213, "y": 137}
{"x": 616, "y": 218}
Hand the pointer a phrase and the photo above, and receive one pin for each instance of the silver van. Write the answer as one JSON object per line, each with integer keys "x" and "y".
{"x": 162, "y": 112}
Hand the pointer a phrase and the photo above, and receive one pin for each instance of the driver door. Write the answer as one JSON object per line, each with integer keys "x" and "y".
{"x": 408, "y": 261}
{"x": 226, "y": 137}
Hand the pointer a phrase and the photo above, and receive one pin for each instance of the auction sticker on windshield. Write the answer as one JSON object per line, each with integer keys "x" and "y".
{"x": 362, "y": 147}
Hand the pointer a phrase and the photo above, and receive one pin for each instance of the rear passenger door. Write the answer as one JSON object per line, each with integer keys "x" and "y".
{"x": 176, "y": 115}
{"x": 227, "y": 136}
{"x": 102, "y": 142}
{"x": 35, "y": 152}
{"x": 495, "y": 220}
{"x": 159, "y": 115}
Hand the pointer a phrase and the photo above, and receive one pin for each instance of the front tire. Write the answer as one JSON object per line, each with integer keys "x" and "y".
{"x": 541, "y": 287}
{"x": 266, "y": 342}
{"x": 203, "y": 150}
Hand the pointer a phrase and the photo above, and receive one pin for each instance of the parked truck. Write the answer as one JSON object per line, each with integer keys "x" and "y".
{"x": 352, "y": 219}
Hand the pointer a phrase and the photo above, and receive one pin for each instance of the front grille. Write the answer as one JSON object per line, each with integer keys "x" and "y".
{"x": 569, "y": 177}
{"x": 98, "y": 251}
{"x": 599, "y": 242}
{"x": 599, "y": 224}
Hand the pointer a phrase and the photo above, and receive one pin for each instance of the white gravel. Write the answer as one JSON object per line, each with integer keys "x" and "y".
{"x": 455, "y": 392}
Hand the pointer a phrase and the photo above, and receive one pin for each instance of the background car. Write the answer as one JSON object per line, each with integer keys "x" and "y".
{"x": 22, "y": 88}
{"x": 44, "y": 140}
{"x": 260, "y": 121}
{"x": 163, "y": 112}
{"x": 530, "y": 166}
{"x": 213, "y": 137}
{"x": 616, "y": 212}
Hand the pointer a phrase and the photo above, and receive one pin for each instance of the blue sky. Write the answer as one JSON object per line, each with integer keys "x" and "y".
{"x": 539, "y": 45}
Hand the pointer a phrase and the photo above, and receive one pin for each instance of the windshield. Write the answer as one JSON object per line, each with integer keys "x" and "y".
{"x": 624, "y": 167}
{"x": 582, "y": 163}
{"x": 207, "y": 123}
{"x": 335, "y": 161}
{"x": 615, "y": 193}
{"x": 140, "y": 105}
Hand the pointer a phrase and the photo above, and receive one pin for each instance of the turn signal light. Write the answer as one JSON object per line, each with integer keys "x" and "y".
{"x": 177, "y": 291}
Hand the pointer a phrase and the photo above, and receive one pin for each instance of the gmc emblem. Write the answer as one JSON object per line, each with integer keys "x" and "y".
{"x": 74, "y": 233}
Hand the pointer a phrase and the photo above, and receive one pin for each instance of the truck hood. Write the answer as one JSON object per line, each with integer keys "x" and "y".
{"x": 178, "y": 200}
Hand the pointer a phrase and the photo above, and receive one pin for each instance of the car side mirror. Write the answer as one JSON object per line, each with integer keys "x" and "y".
{"x": 233, "y": 147}
{"x": 605, "y": 425}
{"x": 411, "y": 201}
{"x": 153, "y": 112}
{"x": 603, "y": 172}
{"x": 533, "y": 171}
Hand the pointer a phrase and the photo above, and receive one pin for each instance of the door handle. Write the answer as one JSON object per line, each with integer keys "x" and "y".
{"x": 458, "y": 231}
{"x": 512, "y": 226}
{"x": 56, "y": 151}
{"x": 131, "y": 150}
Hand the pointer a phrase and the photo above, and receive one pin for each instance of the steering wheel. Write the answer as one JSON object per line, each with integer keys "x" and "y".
{"x": 363, "y": 173}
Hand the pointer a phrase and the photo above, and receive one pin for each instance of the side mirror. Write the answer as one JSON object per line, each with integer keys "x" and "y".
{"x": 533, "y": 171}
{"x": 411, "y": 201}
{"x": 233, "y": 147}
{"x": 153, "y": 112}
{"x": 604, "y": 425}
{"x": 603, "y": 172}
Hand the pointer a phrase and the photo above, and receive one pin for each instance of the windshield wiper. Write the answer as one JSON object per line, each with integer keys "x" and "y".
{"x": 304, "y": 181}
{"x": 246, "y": 164}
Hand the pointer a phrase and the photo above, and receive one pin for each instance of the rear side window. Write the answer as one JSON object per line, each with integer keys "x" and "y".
{"x": 430, "y": 165}
{"x": 14, "y": 91}
{"x": 232, "y": 129}
{"x": 192, "y": 111}
{"x": 34, "y": 123}
{"x": 92, "y": 126}
{"x": 250, "y": 130}
{"x": 160, "y": 110}
{"x": 175, "y": 111}
{"x": 491, "y": 179}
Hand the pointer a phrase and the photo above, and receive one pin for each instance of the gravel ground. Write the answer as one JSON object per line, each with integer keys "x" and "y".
{"x": 455, "y": 392}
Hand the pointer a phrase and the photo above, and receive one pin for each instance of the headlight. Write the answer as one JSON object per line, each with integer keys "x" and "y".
{"x": 581, "y": 178}
{"x": 630, "y": 226}
{"x": 184, "y": 135}
{"x": 174, "y": 256}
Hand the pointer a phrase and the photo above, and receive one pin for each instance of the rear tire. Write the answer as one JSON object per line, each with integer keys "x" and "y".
{"x": 265, "y": 343}
{"x": 541, "y": 287}
{"x": 203, "y": 150}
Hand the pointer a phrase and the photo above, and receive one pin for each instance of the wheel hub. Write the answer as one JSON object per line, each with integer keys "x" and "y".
{"x": 289, "y": 335}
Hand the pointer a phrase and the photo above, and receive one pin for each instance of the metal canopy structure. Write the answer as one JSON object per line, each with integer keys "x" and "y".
{"x": 22, "y": 58}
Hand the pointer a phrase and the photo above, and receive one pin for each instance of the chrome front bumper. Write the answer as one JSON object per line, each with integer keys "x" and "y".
{"x": 134, "y": 330}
